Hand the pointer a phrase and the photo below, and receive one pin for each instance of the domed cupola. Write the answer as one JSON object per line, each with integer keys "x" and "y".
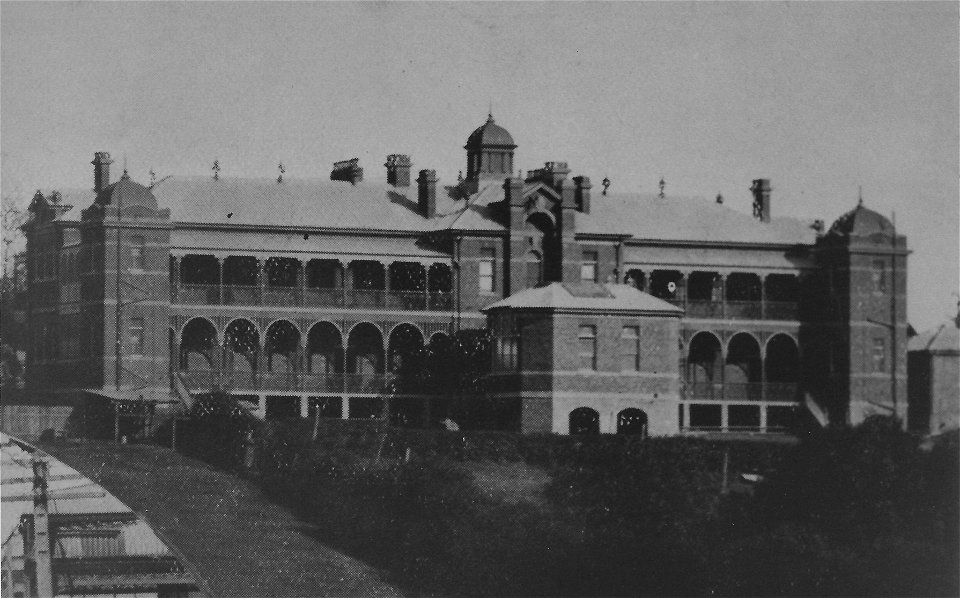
{"x": 489, "y": 152}
{"x": 126, "y": 193}
{"x": 862, "y": 222}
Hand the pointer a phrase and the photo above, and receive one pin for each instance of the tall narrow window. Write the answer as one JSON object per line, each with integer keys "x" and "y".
{"x": 138, "y": 259}
{"x": 879, "y": 355}
{"x": 534, "y": 269}
{"x": 588, "y": 347}
{"x": 136, "y": 336}
{"x": 487, "y": 258}
{"x": 588, "y": 267}
{"x": 879, "y": 276}
{"x": 630, "y": 349}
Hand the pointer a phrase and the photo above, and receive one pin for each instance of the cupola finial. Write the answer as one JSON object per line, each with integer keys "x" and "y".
{"x": 859, "y": 195}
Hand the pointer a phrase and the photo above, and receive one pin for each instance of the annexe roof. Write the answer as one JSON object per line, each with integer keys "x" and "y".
{"x": 945, "y": 338}
{"x": 580, "y": 296}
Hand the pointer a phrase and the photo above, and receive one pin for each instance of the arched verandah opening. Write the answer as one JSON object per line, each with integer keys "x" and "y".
{"x": 324, "y": 282}
{"x": 632, "y": 422}
{"x": 199, "y": 279}
{"x": 781, "y": 368}
{"x": 365, "y": 358}
{"x": 781, "y": 293}
{"x": 368, "y": 280}
{"x": 742, "y": 370}
{"x": 636, "y": 278}
{"x": 405, "y": 358}
{"x": 325, "y": 356}
{"x": 440, "y": 281}
{"x": 704, "y": 367}
{"x": 408, "y": 283}
{"x": 241, "y": 342}
{"x": 584, "y": 421}
{"x": 667, "y": 285}
{"x": 744, "y": 293}
{"x": 283, "y": 342}
{"x": 197, "y": 341}
{"x": 240, "y": 279}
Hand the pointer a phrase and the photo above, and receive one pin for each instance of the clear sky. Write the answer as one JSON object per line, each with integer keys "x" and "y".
{"x": 818, "y": 97}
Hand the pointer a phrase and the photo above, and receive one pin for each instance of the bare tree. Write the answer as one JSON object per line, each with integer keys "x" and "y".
{"x": 11, "y": 217}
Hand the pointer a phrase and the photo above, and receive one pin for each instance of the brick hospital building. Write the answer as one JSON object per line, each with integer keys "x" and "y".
{"x": 608, "y": 312}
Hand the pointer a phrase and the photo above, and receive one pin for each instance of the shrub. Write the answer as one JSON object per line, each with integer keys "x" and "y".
{"x": 219, "y": 431}
{"x": 856, "y": 484}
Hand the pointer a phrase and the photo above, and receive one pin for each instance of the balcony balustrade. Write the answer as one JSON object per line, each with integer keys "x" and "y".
{"x": 208, "y": 294}
{"x": 206, "y": 380}
{"x": 753, "y": 310}
{"x": 705, "y": 309}
{"x": 781, "y": 310}
{"x": 740, "y": 391}
{"x": 743, "y": 310}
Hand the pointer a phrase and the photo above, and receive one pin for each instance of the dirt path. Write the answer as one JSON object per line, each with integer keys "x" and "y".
{"x": 237, "y": 541}
{"x": 510, "y": 482}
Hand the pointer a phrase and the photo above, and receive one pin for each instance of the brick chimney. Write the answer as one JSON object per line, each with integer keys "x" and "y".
{"x": 427, "y": 193}
{"x": 582, "y": 196}
{"x": 101, "y": 170}
{"x": 398, "y": 170}
{"x": 347, "y": 170}
{"x": 552, "y": 174}
{"x": 761, "y": 199}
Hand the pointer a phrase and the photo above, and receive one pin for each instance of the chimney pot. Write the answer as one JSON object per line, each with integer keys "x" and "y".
{"x": 582, "y": 196}
{"x": 761, "y": 199}
{"x": 427, "y": 193}
{"x": 398, "y": 170}
{"x": 101, "y": 170}
{"x": 347, "y": 170}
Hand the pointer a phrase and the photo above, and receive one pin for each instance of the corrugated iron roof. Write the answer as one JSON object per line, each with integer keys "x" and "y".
{"x": 312, "y": 203}
{"x": 646, "y": 216}
{"x": 318, "y": 203}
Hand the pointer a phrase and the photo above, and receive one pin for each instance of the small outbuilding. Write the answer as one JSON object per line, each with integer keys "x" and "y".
{"x": 933, "y": 379}
{"x": 587, "y": 358}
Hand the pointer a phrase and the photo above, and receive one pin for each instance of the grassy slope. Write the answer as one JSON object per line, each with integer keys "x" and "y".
{"x": 238, "y": 541}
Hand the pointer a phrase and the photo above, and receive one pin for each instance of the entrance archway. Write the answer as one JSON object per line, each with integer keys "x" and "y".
{"x": 584, "y": 421}
{"x": 632, "y": 422}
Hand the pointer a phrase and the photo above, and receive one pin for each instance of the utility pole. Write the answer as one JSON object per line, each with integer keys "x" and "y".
{"x": 118, "y": 311}
{"x": 893, "y": 318}
{"x": 40, "y": 529}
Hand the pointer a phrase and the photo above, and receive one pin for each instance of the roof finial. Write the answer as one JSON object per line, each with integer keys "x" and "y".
{"x": 720, "y": 198}
{"x": 153, "y": 177}
{"x": 860, "y": 196}
{"x": 490, "y": 112}
{"x": 663, "y": 185}
{"x": 216, "y": 169}
{"x": 605, "y": 184}
{"x": 282, "y": 170}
